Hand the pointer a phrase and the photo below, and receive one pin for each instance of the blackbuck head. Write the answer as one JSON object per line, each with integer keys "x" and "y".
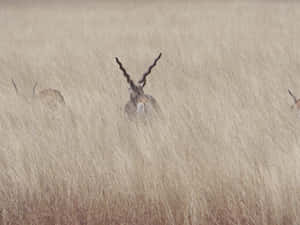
{"x": 140, "y": 103}
{"x": 51, "y": 98}
{"x": 296, "y": 104}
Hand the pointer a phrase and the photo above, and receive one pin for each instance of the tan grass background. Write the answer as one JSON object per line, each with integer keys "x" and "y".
{"x": 227, "y": 151}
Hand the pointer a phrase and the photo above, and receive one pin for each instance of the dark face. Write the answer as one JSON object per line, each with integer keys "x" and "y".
{"x": 136, "y": 94}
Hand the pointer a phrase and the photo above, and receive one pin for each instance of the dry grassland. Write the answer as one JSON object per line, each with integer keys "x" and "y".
{"x": 227, "y": 151}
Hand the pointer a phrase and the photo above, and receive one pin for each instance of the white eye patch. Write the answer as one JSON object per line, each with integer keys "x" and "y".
{"x": 140, "y": 107}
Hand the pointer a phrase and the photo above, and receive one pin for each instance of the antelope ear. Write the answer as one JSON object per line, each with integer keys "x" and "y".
{"x": 33, "y": 89}
{"x": 15, "y": 86}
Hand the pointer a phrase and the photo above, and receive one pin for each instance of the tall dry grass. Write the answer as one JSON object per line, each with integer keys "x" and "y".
{"x": 227, "y": 151}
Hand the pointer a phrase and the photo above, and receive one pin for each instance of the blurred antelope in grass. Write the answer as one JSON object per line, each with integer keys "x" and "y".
{"x": 51, "y": 98}
{"x": 140, "y": 104}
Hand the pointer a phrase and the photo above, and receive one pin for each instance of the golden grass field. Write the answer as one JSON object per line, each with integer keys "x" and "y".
{"x": 227, "y": 151}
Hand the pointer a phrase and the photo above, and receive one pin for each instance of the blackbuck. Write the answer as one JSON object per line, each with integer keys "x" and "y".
{"x": 140, "y": 104}
{"x": 51, "y": 98}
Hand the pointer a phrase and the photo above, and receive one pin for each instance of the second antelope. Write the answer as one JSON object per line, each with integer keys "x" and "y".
{"x": 140, "y": 104}
{"x": 51, "y": 98}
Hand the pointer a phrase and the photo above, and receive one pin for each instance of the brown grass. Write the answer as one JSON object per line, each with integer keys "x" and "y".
{"x": 227, "y": 151}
